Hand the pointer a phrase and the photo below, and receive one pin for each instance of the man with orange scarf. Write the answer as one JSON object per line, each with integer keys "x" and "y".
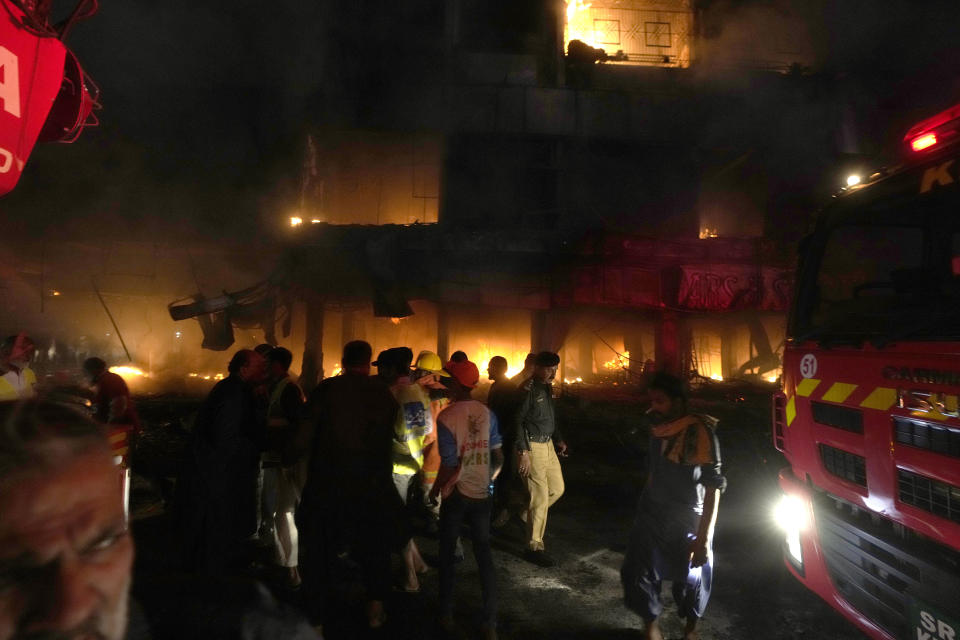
{"x": 672, "y": 535}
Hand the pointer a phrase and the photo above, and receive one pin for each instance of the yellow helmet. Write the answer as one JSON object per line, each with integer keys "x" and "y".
{"x": 429, "y": 361}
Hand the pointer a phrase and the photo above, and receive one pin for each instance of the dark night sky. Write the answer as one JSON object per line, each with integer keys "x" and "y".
{"x": 205, "y": 102}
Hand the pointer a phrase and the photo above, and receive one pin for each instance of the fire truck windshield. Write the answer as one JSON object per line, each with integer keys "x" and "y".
{"x": 883, "y": 274}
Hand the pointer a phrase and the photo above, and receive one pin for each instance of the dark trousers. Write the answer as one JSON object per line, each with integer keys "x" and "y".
{"x": 642, "y": 583}
{"x": 328, "y": 526}
{"x": 454, "y": 511}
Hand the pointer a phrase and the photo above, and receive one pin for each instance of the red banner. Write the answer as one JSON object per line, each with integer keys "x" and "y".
{"x": 31, "y": 72}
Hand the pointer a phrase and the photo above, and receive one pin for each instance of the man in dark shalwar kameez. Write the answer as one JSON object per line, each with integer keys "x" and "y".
{"x": 672, "y": 535}
{"x": 216, "y": 496}
{"x": 349, "y": 499}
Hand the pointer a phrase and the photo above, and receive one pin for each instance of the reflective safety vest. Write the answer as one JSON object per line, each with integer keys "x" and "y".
{"x": 15, "y": 386}
{"x": 413, "y": 424}
{"x": 279, "y": 426}
{"x": 274, "y": 418}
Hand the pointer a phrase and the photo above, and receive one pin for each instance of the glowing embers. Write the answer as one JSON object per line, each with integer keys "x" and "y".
{"x": 127, "y": 371}
{"x": 620, "y": 361}
{"x": 205, "y": 376}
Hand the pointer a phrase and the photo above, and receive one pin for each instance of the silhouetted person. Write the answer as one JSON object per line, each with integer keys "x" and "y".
{"x": 283, "y": 481}
{"x": 111, "y": 404}
{"x": 215, "y": 492}
{"x": 349, "y": 498}
{"x": 503, "y": 400}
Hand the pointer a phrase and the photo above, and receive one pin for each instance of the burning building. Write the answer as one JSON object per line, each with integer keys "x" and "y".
{"x": 472, "y": 180}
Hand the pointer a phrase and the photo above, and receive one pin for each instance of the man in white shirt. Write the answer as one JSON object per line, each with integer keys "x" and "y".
{"x": 471, "y": 452}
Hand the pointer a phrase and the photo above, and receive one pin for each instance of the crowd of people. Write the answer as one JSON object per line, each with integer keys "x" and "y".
{"x": 333, "y": 482}
{"x": 340, "y": 476}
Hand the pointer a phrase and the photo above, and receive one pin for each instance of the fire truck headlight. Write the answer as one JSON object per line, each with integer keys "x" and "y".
{"x": 790, "y": 516}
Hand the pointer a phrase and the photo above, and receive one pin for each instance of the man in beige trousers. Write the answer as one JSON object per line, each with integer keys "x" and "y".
{"x": 538, "y": 443}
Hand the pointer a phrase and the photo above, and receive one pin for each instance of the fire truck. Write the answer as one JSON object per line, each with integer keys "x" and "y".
{"x": 46, "y": 96}
{"x": 868, "y": 415}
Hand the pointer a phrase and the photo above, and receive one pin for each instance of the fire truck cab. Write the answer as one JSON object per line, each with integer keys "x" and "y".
{"x": 868, "y": 416}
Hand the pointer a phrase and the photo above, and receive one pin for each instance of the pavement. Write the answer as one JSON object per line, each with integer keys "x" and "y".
{"x": 754, "y": 595}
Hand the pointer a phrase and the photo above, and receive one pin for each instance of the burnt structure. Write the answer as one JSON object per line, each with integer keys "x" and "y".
{"x": 576, "y": 159}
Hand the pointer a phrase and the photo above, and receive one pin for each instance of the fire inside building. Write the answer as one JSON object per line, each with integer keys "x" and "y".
{"x": 692, "y": 209}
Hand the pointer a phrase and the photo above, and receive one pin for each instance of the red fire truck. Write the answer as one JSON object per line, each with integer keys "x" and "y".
{"x": 868, "y": 416}
{"x": 45, "y": 96}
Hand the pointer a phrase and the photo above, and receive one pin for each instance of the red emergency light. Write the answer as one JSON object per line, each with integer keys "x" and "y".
{"x": 936, "y": 132}
{"x": 923, "y": 142}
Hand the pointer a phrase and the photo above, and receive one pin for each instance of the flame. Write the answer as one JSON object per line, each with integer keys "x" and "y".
{"x": 205, "y": 376}
{"x": 481, "y": 357}
{"x": 337, "y": 370}
{"x": 716, "y": 376}
{"x": 620, "y": 361}
{"x": 296, "y": 221}
{"x": 707, "y": 232}
{"x": 396, "y": 320}
{"x": 126, "y": 370}
{"x": 579, "y": 24}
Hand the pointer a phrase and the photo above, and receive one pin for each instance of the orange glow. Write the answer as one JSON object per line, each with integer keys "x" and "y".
{"x": 205, "y": 376}
{"x": 396, "y": 320}
{"x": 923, "y": 142}
{"x": 129, "y": 371}
{"x": 626, "y": 37}
{"x": 620, "y": 361}
{"x": 707, "y": 232}
{"x": 579, "y": 23}
{"x": 482, "y": 357}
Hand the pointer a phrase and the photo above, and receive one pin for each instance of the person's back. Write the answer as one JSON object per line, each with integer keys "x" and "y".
{"x": 112, "y": 391}
{"x": 353, "y": 416}
{"x": 17, "y": 379}
{"x": 414, "y": 422}
{"x": 503, "y": 399}
{"x": 470, "y": 423}
{"x": 349, "y": 497}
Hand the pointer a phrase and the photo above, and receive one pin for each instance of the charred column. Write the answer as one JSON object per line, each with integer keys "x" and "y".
{"x": 672, "y": 344}
{"x": 312, "y": 370}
